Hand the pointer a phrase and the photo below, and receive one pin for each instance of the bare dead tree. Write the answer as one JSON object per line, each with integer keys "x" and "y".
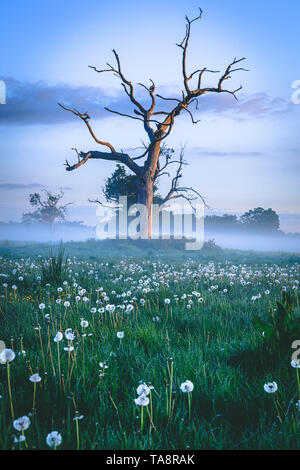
{"x": 158, "y": 124}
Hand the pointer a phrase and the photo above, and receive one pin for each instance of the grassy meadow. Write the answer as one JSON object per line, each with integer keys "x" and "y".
{"x": 136, "y": 314}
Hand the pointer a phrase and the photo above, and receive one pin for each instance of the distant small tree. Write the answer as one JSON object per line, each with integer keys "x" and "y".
{"x": 261, "y": 219}
{"x": 47, "y": 210}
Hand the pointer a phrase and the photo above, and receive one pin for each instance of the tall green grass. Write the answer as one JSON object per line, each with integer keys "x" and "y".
{"x": 214, "y": 344}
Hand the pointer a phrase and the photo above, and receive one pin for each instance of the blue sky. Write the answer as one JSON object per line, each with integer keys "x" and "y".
{"x": 242, "y": 154}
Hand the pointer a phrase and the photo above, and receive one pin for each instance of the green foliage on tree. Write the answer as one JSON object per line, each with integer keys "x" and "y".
{"x": 121, "y": 183}
{"x": 261, "y": 219}
{"x": 258, "y": 220}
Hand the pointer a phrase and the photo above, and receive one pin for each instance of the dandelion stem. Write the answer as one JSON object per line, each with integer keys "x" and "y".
{"x": 58, "y": 359}
{"x": 77, "y": 433}
{"x": 9, "y": 391}
{"x": 24, "y": 439}
{"x": 277, "y": 409}
{"x": 142, "y": 418}
{"x": 34, "y": 393}
{"x": 151, "y": 406}
{"x": 189, "y": 400}
{"x": 42, "y": 349}
{"x": 171, "y": 387}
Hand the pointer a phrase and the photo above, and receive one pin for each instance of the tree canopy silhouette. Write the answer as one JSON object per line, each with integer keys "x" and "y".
{"x": 47, "y": 210}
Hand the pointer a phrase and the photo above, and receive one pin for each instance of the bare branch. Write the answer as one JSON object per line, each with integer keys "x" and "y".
{"x": 168, "y": 99}
{"x": 127, "y": 85}
{"x": 85, "y": 118}
{"x": 97, "y": 201}
{"x": 115, "y": 156}
{"x": 177, "y": 191}
{"x": 184, "y": 45}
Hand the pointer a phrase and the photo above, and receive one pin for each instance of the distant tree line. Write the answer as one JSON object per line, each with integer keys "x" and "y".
{"x": 49, "y": 210}
{"x": 256, "y": 220}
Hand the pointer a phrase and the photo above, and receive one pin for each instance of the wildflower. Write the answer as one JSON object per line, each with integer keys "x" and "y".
{"x": 143, "y": 389}
{"x": 35, "y": 378}
{"x": 53, "y": 439}
{"x": 156, "y": 319}
{"x": 21, "y": 424}
{"x": 41, "y": 306}
{"x": 271, "y": 387}
{"x": 67, "y": 304}
{"x": 187, "y": 386}
{"x": 7, "y": 355}
{"x": 69, "y": 334}
{"x": 69, "y": 348}
{"x": 84, "y": 323}
{"x": 78, "y": 417}
{"x": 142, "y": 400}
{"x": 295, "y": 363}
{"x": 58, "y": 337}
{"x": 19, "y": 439}
{"x": 167, "y": 301}
{"x": 120, "y": 334}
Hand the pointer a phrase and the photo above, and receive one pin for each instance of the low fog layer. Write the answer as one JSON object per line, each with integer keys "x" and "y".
{"x": 278, "y": 242}
{"x": 17, "y": 232}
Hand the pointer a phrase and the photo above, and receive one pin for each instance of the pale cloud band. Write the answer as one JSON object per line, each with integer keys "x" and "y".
{"x": 36, "y": 103}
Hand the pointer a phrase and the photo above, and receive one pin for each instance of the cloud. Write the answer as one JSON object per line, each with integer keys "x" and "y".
{"x": 216, "y": 153}
{"x": 36, "y": 103}
{"x": 247, "y": 107}
{"x": 12, "y": 186}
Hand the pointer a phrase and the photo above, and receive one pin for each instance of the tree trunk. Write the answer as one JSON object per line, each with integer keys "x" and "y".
{"x": 145, "y": 197}
{"x": 146, "y": 184}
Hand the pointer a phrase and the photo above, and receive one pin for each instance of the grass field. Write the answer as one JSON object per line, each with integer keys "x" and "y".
{"x": 184, "y": 316}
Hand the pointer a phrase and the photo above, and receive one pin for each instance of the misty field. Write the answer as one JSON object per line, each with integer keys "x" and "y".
{"x": 99, "y": 349}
